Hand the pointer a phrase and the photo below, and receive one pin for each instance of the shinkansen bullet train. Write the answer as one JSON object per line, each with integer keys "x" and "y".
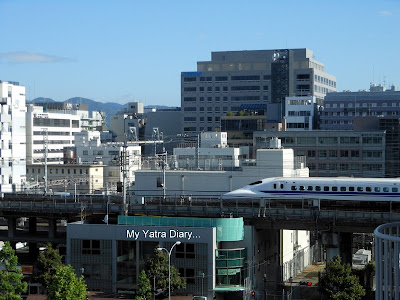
{"x": 337, "y": 188}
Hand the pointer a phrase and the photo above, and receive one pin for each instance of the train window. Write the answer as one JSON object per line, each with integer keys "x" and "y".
{"x": 281, "y": 185}
{"x": 377, "y": 189}
{"x": 334, "y": 188}
{"x": 342, "y": 188}
{"x": 351, "y": 188}
{"x": 309, "y": 188}
{"x": 368, "y": 189}
{"x": 294, "y": 188}
{"x": 317, "y": 188}
{"x": 302, "y": 188}
{"x": 395, "y": 190}
{"x": 257, "y": 182}
{"x": 326, "y": 188}
{"x": 386, "y": 189}
{"x": 274, "y": 186}
{"x": 360, "y": 189}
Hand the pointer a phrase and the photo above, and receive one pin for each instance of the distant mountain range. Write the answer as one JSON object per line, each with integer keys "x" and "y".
{"x": 109, "y": 108}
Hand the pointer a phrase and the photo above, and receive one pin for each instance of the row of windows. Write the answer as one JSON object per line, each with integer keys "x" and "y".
{"x": 323, "y": 90}
{"x": 363, "y": 113}
{"x": 48, "y": 150}
{"x": 202, "y": 119}
{"x": 61, "y": 170}
{"x": 312, "y": 141}
{"x": 324, "y": 80}
{"x": 299, "y": 113}
{"x": 344, "y": 167}
{"x": 225, "y": 98}
{"x": 342, "y": 153}
{"x": 298, "y": 125}
{"x": 225, "y": 88}
{"x": 40, "y": 142}
{"x": 216, "y": 109}
{"x": 65, "y": 133}
{"x": 303, "y": 87}
{"x": 55, "y": 122}
{"x": 225, "y": 78}
{"x": 332, "y": 140}
{"x": 364, "y": 104}
{"x": 343, "y": 188}
{"x": 201, "y": 128}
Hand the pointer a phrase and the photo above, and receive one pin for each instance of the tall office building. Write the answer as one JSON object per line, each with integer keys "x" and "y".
{"x": 12, "y": 137}
{"x": 235, "y": 80}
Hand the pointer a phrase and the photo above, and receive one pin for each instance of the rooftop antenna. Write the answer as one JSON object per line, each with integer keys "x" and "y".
{"x": 373, "y": 74}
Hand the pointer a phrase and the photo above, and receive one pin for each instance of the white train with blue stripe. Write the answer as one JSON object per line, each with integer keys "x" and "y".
{"x": 335, "y": 188}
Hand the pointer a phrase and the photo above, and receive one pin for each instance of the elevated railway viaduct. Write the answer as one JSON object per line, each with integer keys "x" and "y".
{"x": 36, "y": 220}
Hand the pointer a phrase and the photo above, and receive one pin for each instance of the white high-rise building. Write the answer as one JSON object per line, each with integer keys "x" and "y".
{"x": 12, "y": 137}
{"x": 56, "y": 130}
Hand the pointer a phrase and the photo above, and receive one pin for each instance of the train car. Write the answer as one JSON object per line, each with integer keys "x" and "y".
{"x": 336, "y": 188}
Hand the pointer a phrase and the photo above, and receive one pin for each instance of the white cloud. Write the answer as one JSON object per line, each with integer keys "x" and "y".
{"x": 31, "y": 57}
{"x": 385, "y": 13}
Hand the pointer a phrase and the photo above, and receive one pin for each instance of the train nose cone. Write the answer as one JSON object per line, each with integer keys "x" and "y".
{"x": 241, "y": 193}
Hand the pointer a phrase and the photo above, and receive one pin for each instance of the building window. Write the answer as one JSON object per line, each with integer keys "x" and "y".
{"x": 185, "y": 250}
{"x": 188, "y": 274}
{"x": 91, "y": 247}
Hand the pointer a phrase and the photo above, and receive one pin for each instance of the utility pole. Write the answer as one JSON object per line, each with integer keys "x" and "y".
{"x": 124, "y": 169}
{"x": 45, "y": 141}
{"x": 198, "y": 152}
{"x": 164, "y": 161}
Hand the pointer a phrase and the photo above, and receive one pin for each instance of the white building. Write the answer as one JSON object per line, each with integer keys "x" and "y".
{"x": 56, "y": 130}
{"x": 295, "y": 252}
{"x": 268, "y": 163}
{"x": 300, "y": 113}
{"x": 90, "y": 120}
{"x": 212, "y": 153}
{"x": 89, "y": 150}
{"x": 12, "y": 136}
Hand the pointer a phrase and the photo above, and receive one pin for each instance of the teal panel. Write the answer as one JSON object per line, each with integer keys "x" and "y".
{"x": 228, "y": 229}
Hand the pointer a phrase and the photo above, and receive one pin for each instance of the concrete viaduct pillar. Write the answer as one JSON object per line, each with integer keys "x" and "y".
{"x": 12, "y": 227}
{"x": 33, "y": 247}
{"x": 52, "y": 228}
{"x": 338, "y": 243}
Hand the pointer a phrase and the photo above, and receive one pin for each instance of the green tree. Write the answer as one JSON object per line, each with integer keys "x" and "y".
{"x": 11, "y": 284}
{"x": 230, "y": 114}
{"x": 144, "y": 291}
{"x": 49, "y": 261}
{"x": 65, "y": 285}
{"x": 157, "y": 266}
{"x": 338, "y": 283}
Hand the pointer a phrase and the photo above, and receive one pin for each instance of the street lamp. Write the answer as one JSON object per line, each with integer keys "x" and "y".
{"x": 169, "y": 265}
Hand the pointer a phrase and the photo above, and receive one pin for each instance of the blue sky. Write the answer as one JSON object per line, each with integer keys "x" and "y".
{"x": 120, "y": 51}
